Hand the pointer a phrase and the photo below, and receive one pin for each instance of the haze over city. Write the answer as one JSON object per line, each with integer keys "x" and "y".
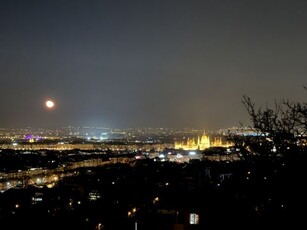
{"x": 154, "y": 63}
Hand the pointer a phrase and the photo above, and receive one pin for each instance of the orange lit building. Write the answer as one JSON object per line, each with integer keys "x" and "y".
{"x": 201, "y": 143}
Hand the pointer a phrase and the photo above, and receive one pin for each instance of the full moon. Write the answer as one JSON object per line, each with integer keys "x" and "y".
{"x": 49, "y": 104}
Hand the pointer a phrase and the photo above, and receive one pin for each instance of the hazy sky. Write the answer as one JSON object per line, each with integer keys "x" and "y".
{"x": 159, "y": 63}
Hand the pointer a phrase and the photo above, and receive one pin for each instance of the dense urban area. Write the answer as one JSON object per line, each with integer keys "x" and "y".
{"x": 140, "y": 179}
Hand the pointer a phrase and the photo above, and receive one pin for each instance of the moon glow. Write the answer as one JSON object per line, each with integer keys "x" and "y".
{"x": 49, "y": 104}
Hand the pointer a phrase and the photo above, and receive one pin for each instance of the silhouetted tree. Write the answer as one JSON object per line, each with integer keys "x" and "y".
{"x": 279, "y": 127}
{"x": 299, "y": 115}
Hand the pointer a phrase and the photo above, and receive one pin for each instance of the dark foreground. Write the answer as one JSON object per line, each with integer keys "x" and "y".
{"x": 255, "y": 193}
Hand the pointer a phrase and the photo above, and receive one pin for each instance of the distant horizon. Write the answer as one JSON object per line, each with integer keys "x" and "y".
{"x": 125, "y": 128}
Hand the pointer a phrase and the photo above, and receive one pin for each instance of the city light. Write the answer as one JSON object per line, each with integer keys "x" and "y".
{"x": 194, "y": 218}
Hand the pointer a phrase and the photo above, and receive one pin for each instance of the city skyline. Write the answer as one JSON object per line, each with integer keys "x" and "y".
{"x": 125, "y": 64}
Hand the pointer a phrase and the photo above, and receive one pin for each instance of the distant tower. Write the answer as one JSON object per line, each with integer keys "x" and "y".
{"x": 204, "y": 142}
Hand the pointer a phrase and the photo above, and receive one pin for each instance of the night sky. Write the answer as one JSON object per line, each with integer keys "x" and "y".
{"x": 159, "y": 63}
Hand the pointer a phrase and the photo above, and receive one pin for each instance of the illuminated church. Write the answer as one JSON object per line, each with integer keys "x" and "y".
{"x": 201, "y": 143}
